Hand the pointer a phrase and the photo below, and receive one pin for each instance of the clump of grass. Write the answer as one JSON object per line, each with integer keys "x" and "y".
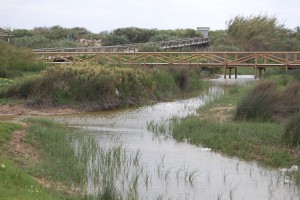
{"x": 292, "y": 131}
{"x": 266, "y": 102}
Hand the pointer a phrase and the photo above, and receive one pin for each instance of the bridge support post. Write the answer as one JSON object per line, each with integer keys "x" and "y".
{"x": 235, "y": 72}
{"x": 230, "y": 72}
{"x": 286, "y": 63}
{"x": 225, "y": 65}
{"x": 255, "y": 67}
{"x": 260, "y": 70}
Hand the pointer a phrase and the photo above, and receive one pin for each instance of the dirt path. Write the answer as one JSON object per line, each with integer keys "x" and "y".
{"x": 12, "y": 110}
{"x": 20, "y": 149}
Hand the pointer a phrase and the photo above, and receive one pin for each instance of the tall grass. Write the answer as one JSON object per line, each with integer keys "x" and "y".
{"x": 265, "y": 102}
{"x": 15, "y": 61}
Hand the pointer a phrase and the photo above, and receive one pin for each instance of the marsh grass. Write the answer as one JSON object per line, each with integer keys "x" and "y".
{"x": 292, "y": 131}
{"x": 265, "y": 102}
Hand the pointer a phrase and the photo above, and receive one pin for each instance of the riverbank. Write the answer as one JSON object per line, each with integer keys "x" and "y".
{"x": 92, "y": 87}
{"x": 217, "y": 127}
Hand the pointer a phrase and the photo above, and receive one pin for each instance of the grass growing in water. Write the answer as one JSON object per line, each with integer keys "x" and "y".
{"x": 215, "y": 127}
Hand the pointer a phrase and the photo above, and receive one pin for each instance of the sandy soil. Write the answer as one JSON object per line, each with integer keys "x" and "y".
{"x": 12, "y": 110}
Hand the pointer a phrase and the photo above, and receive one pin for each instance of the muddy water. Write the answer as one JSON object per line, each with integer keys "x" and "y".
{"x": 179, "y": 170}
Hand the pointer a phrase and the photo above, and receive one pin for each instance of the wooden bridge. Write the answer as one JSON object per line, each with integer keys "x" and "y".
{"x": 229, "y": 61}
{"x": 171, "y": 44}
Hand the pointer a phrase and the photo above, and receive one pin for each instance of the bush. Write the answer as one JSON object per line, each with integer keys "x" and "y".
{"x": 15, "y": 61}
{"x": 99, "y": 86}
{"x": 149, "y": 47}
{"x": 292, "y": 131}
{"x": 266, "y": 102}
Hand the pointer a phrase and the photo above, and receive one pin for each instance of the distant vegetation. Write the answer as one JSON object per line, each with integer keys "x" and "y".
{"x": 255, "y": 33}
{"x": 262, "y": 33}
{"x": 56, "y": 36}
{"x": 243, "y": 33}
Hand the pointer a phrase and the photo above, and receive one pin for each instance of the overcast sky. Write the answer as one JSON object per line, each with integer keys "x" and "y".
{"x": 101, "y": 15}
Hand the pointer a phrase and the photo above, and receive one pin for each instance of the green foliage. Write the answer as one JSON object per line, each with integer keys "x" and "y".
{"x": 292, "y": 131}
{"x": 5, "y": 83}
{"x": 149, "y": 47}
{"x": 134, "y": 34}
{"x": 15, "y": 61}
{"x": 112, "y": 39}
{"x": 163, "y": 37}
{"x": 164, "y": 84}
{"x": 255, "y": 33}
{"x": 56, "y": 36}
{"x": 265, "y": 102}
{"x": 101, "y": 87}
{"x": 221, "y": 42}
{"x": 138, "y": 35}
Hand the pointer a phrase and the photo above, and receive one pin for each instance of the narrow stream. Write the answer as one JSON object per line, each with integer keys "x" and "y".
{"x": 161, "y": 168}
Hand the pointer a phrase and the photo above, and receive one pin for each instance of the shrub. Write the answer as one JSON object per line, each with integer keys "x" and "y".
{"x": 266, "y": 102}
{"x": 292, "y": 131}
{"x": 98, "y": 85}
{"x": 14, "y": 61}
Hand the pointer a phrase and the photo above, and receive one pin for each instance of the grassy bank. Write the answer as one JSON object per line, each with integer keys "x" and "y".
{"x": 70, "y": 163}
{"x": 250, "y": 123}
{"x": 15, "y": 182}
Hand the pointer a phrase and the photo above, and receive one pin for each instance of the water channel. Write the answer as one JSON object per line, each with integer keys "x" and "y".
{"x": 157, "y": 167}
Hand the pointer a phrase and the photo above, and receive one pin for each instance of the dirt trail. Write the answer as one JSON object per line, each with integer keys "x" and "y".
{"x": 12, "y": 110}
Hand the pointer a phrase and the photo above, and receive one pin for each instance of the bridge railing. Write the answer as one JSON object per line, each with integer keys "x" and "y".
{"x": 226, "y": 60}
{"x": 133, "y": 47}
